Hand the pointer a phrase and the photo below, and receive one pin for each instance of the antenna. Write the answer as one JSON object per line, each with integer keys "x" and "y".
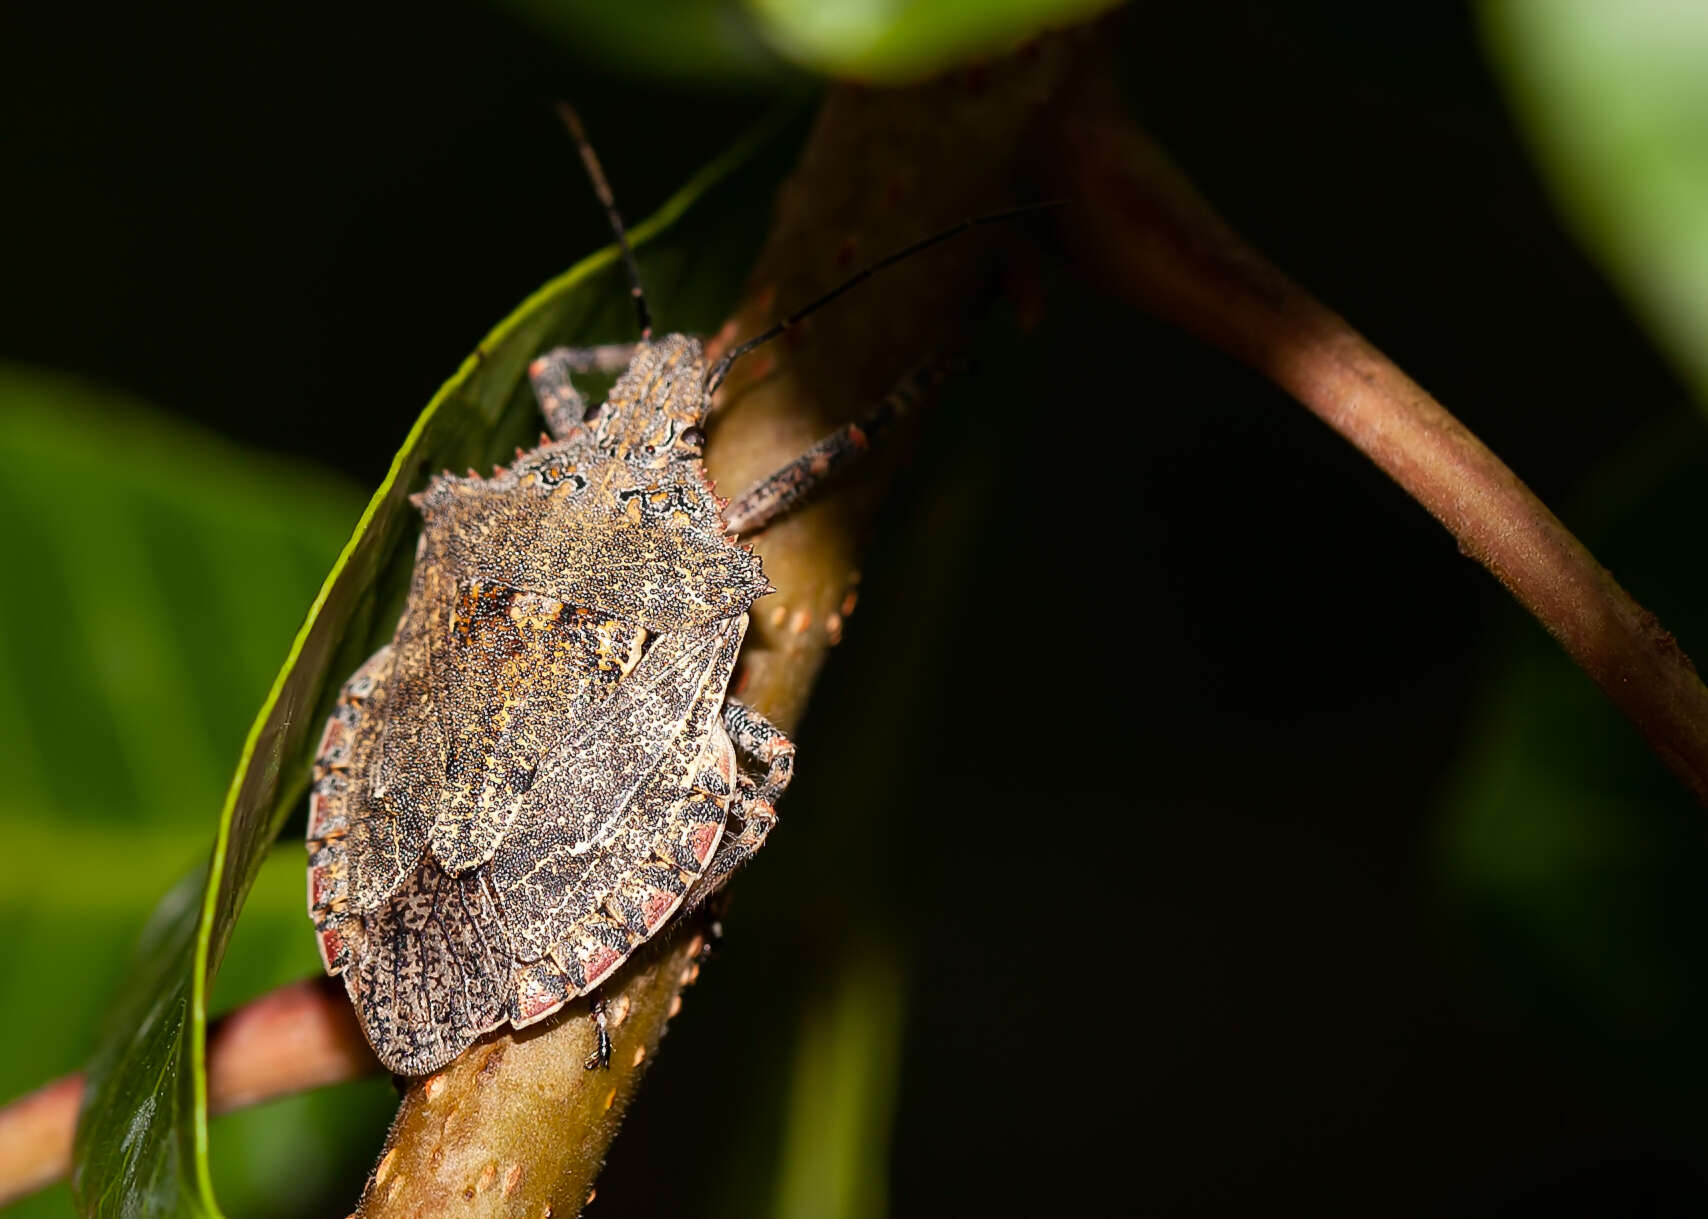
{"x": 720, "y": 370}
{"x": 602, "y": 188}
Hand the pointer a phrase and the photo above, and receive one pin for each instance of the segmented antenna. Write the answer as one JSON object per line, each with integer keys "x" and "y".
{"x": 602, "y": 188}
{"x": 720, "y": 370}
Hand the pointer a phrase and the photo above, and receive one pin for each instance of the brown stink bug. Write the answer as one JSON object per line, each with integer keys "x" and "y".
{"x": 541, "y": 768}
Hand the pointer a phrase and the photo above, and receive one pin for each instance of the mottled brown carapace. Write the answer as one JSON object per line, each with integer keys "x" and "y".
{"x": 538, "y": 770}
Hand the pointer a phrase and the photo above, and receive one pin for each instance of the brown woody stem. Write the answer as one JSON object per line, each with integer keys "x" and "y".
{"x": 1141, "y": 227}
{"x": 298, "y": 1037}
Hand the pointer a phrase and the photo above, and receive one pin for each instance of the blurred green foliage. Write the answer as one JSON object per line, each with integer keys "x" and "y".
{"x": 682, "y": 43}
{"x": 841, "y": 1094}
{"x": 1614, "y": 98}
{"x": 1572, "y": 863}
{"x": 903, "y": 40}
{"x": 162, "y": 575}
{"x": 714, "y": 42}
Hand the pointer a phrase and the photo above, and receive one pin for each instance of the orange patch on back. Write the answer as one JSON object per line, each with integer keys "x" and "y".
{"x": 334, "y": 742}
{"x": 332, "y": 949}
{"x": 322, "y": 823}
{"x": 601, "y": 963}
{"x": 704, "y": 839}
{"x": 657, "y": 908}
{"x": 322, "y": 886}
{"x": 539, "y": 993}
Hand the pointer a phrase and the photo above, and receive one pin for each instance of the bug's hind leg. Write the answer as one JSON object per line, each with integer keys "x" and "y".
{"x": 754, "y": 804}
{"x": 560, "y": 402}
{"x": 758, "y": 738}
{"x": 600, "y": 1058}
{"x": 779, "y": 493}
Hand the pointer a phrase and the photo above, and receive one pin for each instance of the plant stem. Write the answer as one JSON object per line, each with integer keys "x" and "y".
{"x": 1140, "y": 227}
{"x": 295, "y": 1038}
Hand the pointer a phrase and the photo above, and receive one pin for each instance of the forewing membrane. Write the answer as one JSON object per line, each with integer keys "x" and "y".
{"x": 595, "y": 812}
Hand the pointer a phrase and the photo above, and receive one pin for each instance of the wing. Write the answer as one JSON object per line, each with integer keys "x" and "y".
{"x": 433, "y": 971}
{"x": 602, "y": 805}
{"x": 392, "y": 788}
{"x": 337, "y": 802}
{"x": 377, "y": 769}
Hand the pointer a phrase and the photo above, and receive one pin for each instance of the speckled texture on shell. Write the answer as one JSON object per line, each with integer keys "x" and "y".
{"x": 523, "y": 785}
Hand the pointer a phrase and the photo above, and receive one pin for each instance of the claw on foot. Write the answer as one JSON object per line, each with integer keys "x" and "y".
{"x": 600, "y": 1058}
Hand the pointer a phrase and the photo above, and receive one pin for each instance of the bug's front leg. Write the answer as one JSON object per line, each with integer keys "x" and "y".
{"x": 560, "y": 402}
{"x": 777, "y": 494}
{"x": 755, "y": 804}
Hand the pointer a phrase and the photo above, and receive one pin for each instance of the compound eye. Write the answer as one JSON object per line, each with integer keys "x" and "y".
{"x": 694, "y": 437}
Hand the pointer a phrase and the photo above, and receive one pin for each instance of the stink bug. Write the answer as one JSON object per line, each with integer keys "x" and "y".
{"x": 541, "y": 767}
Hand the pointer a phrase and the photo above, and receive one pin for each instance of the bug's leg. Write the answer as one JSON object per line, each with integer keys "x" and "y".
{"x": 600, "y": 1058}
{"x": 771, "y": 497}
{"x": 713, "y": 913}
{"x": 764, "y": 742}
{"x": 560, "y": 402}
{"x": 736, "y": 847}
{"x": 754, "y": 804}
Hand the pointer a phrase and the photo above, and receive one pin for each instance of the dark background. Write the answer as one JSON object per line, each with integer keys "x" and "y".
{"x": 1155, "y": 841}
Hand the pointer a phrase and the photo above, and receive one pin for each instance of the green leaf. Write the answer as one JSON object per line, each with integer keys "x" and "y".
{"x": 157, "y": 575}
{"x": 142, "y": 1143}
{"x": 1614, "y": 100}
{"x": 894, "y": 41}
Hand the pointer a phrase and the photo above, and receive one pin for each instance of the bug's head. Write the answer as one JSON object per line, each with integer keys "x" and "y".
{"x": 656, "y": 408}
